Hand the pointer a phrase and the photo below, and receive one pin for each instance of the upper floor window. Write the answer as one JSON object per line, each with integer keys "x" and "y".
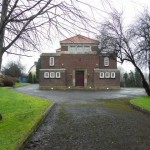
{"x": 87, "y": 48}
{"x": 79, "y": 48}
{"x": 51, "y": 61}
{"x": 106, "y": 61}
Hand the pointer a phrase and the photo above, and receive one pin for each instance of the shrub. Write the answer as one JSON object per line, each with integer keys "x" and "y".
{"x": 8, "y": 82}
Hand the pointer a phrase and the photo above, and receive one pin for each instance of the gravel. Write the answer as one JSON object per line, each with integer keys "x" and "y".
{"x": 101, "y": 125}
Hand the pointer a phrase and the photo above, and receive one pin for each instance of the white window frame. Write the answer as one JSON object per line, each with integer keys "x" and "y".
{"x": 106, "y": 61}
{"x": 58, "y": 75}
{"x": 46, "y": 75}
{"x": 107, "y": 75}
{"x": 101, "y": 75}
{"x": 113, "y": 75}
{"x": 52, "y": 75}
{"x": 51, "y": 61}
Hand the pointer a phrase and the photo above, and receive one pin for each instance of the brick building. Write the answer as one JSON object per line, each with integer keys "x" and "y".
{"x": 78, "y": 64}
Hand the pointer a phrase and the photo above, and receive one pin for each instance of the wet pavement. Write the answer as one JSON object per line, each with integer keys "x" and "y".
{"x": 80, "y": 96}
{"x": 91, "y": 120}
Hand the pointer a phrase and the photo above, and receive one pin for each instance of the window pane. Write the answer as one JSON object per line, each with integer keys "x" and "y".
{"x": 57, "y": 74}
{"x": 113, "y": 74}
{"x": 51, "y": 61}
{"x": 52, "y": 74}
{"x": 101, "y": 75}
{"x": 46, "y": 74}
{"x": 107, "y": 74}
{"x": 106, "y": 61}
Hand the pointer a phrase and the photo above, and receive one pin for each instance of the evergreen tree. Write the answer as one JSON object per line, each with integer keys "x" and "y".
{"x": 30, "y": 78}
{"x": 131, "y": 80}
{"x": 125, "y": 76}
{"x": 38, "y": 67}
{"x": 138, "y": 80}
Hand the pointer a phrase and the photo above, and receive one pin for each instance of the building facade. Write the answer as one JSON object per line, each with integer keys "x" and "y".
{"x": 78, "y": 64}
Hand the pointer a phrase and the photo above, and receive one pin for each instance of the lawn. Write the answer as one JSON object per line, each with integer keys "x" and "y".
{"x": 143, "y": 102}
{"x": 20, "y": 84}
{"x": 20, "y": 113}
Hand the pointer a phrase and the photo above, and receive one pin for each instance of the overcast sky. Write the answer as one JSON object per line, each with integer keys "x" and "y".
{"x": 131, "y": 9}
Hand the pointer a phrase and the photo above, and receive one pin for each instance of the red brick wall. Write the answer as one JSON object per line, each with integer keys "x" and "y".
{"x": 78, "y": 61}
{"x": 51, "y": 82}
{"x": 106, "y": 82}
{"x": 112, "y": 63}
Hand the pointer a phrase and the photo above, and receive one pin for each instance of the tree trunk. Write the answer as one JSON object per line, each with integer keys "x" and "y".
{"x": 0, "y": 63}
{"x": 145, "y": 84}
{"x": 2, "y": 28}
{"x": 149, "y": 68}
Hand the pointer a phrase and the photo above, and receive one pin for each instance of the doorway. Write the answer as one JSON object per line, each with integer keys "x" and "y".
{"x": 79, "y": 78}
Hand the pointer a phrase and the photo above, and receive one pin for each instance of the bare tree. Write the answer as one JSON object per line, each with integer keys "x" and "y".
{"x": 25, "y": 23}
{"x": 140, "y": 31}
{"x": 117, "y": 40}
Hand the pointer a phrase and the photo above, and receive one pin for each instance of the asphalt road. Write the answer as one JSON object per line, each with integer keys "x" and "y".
{"x": 80, "y": 96}
{"x": 91, "y": 120}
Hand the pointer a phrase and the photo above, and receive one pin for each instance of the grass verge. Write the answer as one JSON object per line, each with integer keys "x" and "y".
{"x": 20, "y": 113}
{"x": 20, "y": 84}
{"x": 142, "y": 102}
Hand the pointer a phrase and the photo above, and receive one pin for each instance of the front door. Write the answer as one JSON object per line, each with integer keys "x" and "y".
{"x": 79, "y": 78}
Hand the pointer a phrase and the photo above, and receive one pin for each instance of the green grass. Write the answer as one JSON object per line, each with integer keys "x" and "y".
{"x": 143, "y": 102}
{"x": 20, "y": 113}
{"x": 20, "y": 84}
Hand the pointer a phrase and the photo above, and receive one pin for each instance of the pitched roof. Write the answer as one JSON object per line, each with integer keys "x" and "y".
{"x": 79, "y": 39}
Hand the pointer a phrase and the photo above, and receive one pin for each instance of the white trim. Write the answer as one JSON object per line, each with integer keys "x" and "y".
{"x": 107, "y": 75}
{"x": 105, "y": 70}
{"x": 51, "y": 61}
{"x": 58, "y": 75}
{"x": 52, "y": 75}
{"x": 101, "y": 75}
{"x": 113, "y": 75}
{"x": 63, "y": 69}
{"x": 46, "y": 75}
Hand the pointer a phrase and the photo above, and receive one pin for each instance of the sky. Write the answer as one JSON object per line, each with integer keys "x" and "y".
{"x": 131, "y": 9}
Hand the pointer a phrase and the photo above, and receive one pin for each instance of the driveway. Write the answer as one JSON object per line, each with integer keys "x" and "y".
{"x": 80, "y": 96}
{"x": 91, "y": 120}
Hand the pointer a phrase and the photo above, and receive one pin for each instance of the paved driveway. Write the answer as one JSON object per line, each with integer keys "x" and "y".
{"x": 80, "y": 96}
{"x": 87, "y": 120}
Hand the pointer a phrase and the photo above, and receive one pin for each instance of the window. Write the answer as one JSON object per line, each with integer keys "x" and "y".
{"x": 51, "y": 61}
{"x": 107, "y": 74}
{"x": 87, "y": 48}
{"x": 106, "y": 61}
{"x": 52, "y": 74}
{"x": 72, "y": 48}
{"x": 57, "y": 74}
{"x": 101, "y": 75}
{"x": 113, "y": 74}
{"x": 79, "y": 49}
{"x": 46, "y": 75}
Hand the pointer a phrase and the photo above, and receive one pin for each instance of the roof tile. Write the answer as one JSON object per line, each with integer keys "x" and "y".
{"x": 79, "y": 39}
